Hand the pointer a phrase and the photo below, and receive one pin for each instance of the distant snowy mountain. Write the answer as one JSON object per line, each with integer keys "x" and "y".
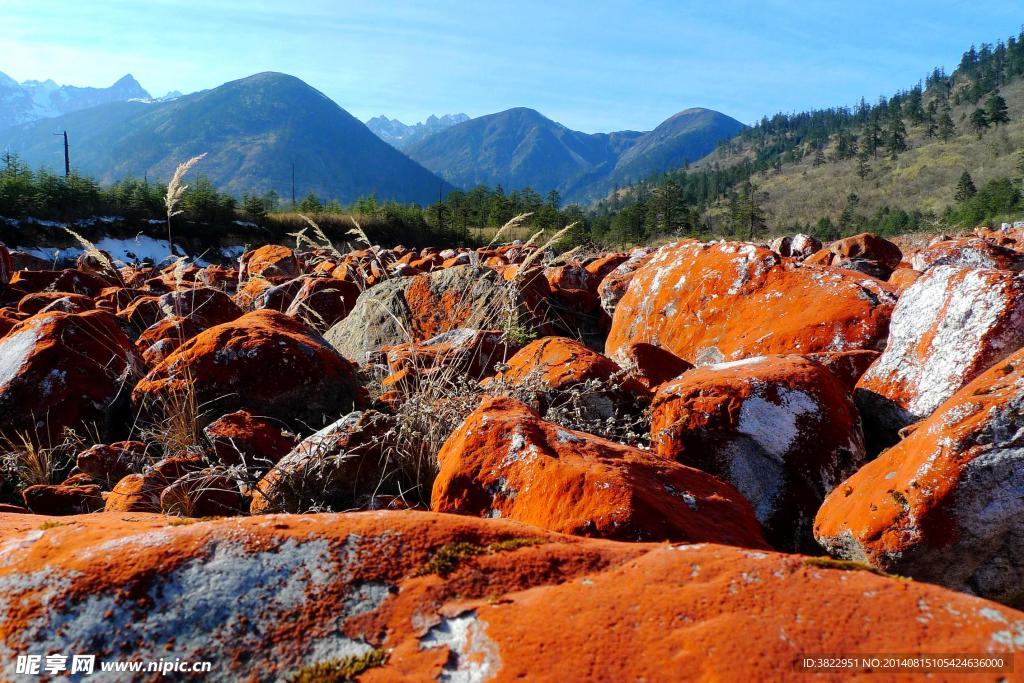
{"x": 33, "y": 100}
{"x": 400, "y": 135}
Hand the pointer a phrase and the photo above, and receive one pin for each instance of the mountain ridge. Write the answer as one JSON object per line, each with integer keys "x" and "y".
{"x": 30, "y": 100}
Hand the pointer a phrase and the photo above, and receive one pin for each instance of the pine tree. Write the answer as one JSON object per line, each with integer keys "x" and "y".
{"x": 896, "y": 137}
{"x": 965, "y": 188}
{"x": 819, "y": 157}
{"x": 947, "y": 129}
{"x": 872, "y": 137}
{"x": 979, "y": 122}
{"x": 863, "y": 168}
{"x": 996, "y": 110}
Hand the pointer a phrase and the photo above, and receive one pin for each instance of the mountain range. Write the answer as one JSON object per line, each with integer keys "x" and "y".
{"x": 253, "y": 130}
{"x": 400, "y": 135}
{"x": 521, "y": 148}
{"x": 33, "y": 100}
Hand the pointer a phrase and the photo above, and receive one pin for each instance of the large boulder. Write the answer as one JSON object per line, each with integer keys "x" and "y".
{"x": 781, "y": 429}
{"x": 970, "y": 252}
{"x": 322, "y": 301}
{"x": 948, "y": 327}
{"x": 945, "y": 504}
{"x": 412, "y": 309}
{"x": 504, "y": 461}
{"x": 723, "y": 301}
{"x": 271, "y": 262}
{"x": 265, "y": 362}
{"x": 415, "y": 596}
{"x": 865, "y": 253}
{"x": 60, "y": 370}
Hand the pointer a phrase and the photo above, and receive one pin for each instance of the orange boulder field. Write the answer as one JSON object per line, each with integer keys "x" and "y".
{"x": 717, "y": 461}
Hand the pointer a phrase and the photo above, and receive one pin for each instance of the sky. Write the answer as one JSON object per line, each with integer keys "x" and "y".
{"x": 595, "y": 66}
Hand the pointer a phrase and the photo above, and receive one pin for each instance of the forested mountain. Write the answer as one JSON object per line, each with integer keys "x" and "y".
{"x": 254, "y": 130}
{"x": 521, "y": 148}
{"x": 889, "y": 165}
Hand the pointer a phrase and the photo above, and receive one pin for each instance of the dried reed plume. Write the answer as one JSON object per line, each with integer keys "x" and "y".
{"x": 512, "y": 223}
{"x": 175, "y": 191}
{"x": 534, "y": 255}
{"x": 92, "y": 250}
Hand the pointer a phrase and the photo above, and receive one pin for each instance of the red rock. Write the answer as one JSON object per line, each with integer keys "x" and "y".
{"x": 322, "y": 301}
{"x": 601, "y": 267}
{"x": 473, "y": 353}
{"x": 8, "y": 320}
{"x": 15, "y": 509}
{"x": 709, "y": 302}
{"x": 337, "y": 468}
{"x": 781, "y": 429}
{"x": 652, "y": 366}
{"x": 613, "y": 287}
{"x": 201, "y": 494}
{"x": 109, "y": 463}
{"x": 971, "y": 252}
{"x": 798, "y": 246}
{"x": 73, "y": 281}
{"x": 264, "y": 362}
{"x": 100, "y": 264}
{"x": 902, "y": 278}
{"x": 136, "y": 493}
{"x": 242, "y": 437}
{"x": 945, "y": 504}
{"x": 552, "y": 368}
{"x": 249, "y": 291}
{"x": 164, "y": 337}
{"x": 62, "y": 370}
{"x": 865, "y": 252}
{"x": 142, "y": 313}
{"x": 271, "y": 262}
{"x": 848, "y": 366}
{"x": 504, "y": 461}
{"x": 279, "y": 296}
{"x": 6, "y": 265}
{"x": 34, "y": 303}
{"x": 218, "y": 277}
{"x": 456, "y": 598}
{"x": 206, "y": 306}
{"x": 48, "y": 499}
{"x": 948, "y": 328}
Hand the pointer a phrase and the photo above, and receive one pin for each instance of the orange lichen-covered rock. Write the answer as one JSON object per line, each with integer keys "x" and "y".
{"x": 709, "y": 302}
{"x": 271, "y": 262}
{"x": 552, "y": 367}
{"x": 204, "y": 305}
{"x": 322, "y": 301}
{"x": 162, "y": 338}
{"x": 613, "y": 286}
{"x": 455, "y": 599}
{"x": 902, "y": 278}
{"x": 948, "y": 327}
{"x": 109, "y": 463}
{"x": 945, "y": 504}
{"x": 243, "y": 438}
{"x": 865, "y": 253}
{"x": 62, "y": 499}
{"x": 336, "y": 468}
{"x": 651, "y": 365}
{"x": 411, "y": 309}
{"x": 30, "y": 304}
{"x": 504, "y": 461}
{"x": 136, "y": 493}
{"x": 250, "y": 291}
{"x": 781, "y": 429}
{"x": 265, "y": 362}
{"x": 971, "y": 252}
{"x": 848, "y": 366}
{"x": 473, "y": 353}
{"x": 62, "y": 370}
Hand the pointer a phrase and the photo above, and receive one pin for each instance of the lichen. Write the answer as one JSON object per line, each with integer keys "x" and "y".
{"x": 340, "y": 670}
{"x": 449, "y": 556}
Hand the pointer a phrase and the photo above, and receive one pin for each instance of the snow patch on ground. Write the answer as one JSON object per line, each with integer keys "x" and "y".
{"x": 14, "y": 351}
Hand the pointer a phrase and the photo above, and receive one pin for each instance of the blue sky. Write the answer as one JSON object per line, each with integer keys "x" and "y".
{"x": 594, "y": 66}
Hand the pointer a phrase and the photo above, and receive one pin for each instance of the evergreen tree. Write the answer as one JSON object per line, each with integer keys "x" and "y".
{"x": 896, "y": 137}
{"x": 819, "y": 157}
{"x": 979, "y": 122}
{"x": 996, "y": 110}
{"x": 965, "y": 188}
{"x": 863, "y": 168}
{"x": 947, "y": 129}
{"x": 254, "y": 208}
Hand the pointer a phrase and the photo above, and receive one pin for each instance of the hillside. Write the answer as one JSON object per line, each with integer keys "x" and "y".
{"x": 923, "y": 178}
{"x": 33, "y": 100}
{"x": 521, "y": 148}
{"x": 252, "y": 129}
